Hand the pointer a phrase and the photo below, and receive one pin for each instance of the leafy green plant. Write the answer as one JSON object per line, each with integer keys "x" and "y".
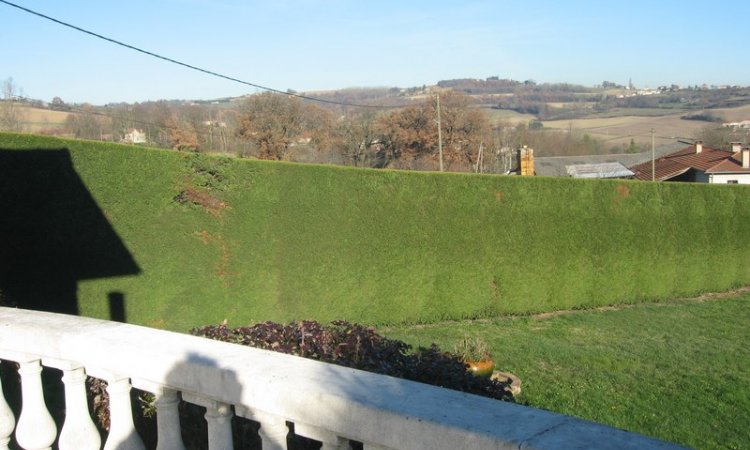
{"x": 472, "y": 349}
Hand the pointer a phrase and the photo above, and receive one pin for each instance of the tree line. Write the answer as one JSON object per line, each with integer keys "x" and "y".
{"x": 285, "y": 127}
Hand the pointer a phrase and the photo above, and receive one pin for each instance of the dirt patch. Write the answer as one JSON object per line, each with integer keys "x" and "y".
{"x": 499, "y": 197}
{"x": 707, "y": 297}
{"x": 208, "y": 202}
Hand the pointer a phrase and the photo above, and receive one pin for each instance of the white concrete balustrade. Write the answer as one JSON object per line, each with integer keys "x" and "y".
{"x": 328, "y": 403}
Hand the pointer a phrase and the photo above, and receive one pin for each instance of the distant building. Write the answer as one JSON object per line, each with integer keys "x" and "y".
{"x": 745, "y": 124}
{"x": 699, "y": 164}
{"x": 134, "y": 136}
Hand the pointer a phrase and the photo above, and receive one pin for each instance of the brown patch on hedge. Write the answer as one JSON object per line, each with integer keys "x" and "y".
{"x": 623, "y": 191}
{"x": 221, "y": 265}
{"x": 208, "y": 202}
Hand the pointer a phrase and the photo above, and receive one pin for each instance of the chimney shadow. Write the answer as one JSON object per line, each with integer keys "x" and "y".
{"x": 117, "y": 306}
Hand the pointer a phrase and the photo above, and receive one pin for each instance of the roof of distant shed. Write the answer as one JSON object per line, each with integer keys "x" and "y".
{"x": 601, "y": 170}
{"x": 555, "y": 166}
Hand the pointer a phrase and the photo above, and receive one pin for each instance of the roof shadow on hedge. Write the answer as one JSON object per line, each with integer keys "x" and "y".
{"x": 52, "y": 232}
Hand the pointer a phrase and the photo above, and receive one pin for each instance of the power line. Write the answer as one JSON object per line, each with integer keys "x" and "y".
{"x": 189, "y": 66}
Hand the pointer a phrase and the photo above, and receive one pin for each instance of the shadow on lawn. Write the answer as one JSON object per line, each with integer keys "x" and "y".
{"x": 53, "y": 234}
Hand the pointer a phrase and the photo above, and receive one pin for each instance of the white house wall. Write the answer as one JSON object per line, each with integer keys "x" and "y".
{"x": 742, "y": 178}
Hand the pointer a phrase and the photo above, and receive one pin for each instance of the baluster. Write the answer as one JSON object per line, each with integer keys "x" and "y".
{"x": 168, "y": 420}
{"x": 273, "y": 430}
{"x": 330, "y": 440}
{"x": 7, "y": 421}
{"x": 219, "y": 418}
{"x": 122, "y": 434}
{"x": 79, "y": 431}
{"x": 36, "y": 430}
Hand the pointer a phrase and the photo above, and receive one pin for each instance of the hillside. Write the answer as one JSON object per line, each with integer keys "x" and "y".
{"x": 177, "y": 240}
{"x": 37, "y": 120}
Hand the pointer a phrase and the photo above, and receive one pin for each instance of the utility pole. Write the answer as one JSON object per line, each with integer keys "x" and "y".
{"x": 479, "y": 167}
{"x": 210, "y": 131}
{"x": 440, "y": 133}
{"x": 653, "y": 157}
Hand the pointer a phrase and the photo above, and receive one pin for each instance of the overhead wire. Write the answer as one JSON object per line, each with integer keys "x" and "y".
{"x": 190, "y": 66}
{"x": 230, "y": 78}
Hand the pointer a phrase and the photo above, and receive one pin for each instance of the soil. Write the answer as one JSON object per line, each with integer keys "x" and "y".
{"x": 706, "y": 297}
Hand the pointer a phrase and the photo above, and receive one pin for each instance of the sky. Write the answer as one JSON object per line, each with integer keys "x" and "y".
{"x": 310, "y": 45}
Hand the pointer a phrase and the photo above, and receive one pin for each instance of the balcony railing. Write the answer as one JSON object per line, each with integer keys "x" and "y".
{"x": 327, "y": 403}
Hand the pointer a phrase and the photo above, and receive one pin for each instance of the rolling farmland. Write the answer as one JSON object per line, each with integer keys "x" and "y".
{"x": 667, "y": 128}
{"x": 37, "y": 120}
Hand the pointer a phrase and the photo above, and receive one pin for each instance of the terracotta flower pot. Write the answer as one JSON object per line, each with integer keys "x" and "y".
{"x": 481, "y": 368}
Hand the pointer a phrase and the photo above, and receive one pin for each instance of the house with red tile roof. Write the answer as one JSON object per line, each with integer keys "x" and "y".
{"x": 699, "y": 164}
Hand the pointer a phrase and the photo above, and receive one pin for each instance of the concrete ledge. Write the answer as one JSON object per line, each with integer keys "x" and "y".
{"x": 349, "y": 403}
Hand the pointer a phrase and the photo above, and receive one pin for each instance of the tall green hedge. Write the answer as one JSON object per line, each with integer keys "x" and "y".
{"x": 218, "y": 238}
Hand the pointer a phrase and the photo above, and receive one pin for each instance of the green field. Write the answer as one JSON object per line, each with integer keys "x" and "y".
{"x": 679, "y": 371}
{"x": 218, "y": 238}
{"x": 37, "y": 119}
{"x": 507, "y": 116}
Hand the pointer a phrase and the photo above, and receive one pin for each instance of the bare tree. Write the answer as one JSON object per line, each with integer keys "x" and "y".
{"x": 357, "y": 138}
{"x": 276, "y": 123}
{"x": 11, "y": 116}
{"x": 410, "y": 134}
{"x": 271, "y": 122}
{"x": 86, "y": 124}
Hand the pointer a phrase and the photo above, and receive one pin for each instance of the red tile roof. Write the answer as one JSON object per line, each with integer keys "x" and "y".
{"x": 673, "y": 164}
{"x": 733, "y": 164}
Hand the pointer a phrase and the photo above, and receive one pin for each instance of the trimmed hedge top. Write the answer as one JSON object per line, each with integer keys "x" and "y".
{"x": 217, "y": 238}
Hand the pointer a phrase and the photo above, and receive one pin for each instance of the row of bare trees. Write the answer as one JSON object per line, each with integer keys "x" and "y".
{"x": 285, "y": 127}
{"x": 166, "y": 124}
{"x": 402, "y": 138}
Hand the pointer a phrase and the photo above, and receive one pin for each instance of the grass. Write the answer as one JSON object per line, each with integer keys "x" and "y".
{"x": 505, "y": 115}
{"x": 679, "y": 371}
{"x": 737, "y": 114}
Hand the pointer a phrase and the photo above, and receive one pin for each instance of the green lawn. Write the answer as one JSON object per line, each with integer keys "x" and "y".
{"x": 679, "y": 371}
